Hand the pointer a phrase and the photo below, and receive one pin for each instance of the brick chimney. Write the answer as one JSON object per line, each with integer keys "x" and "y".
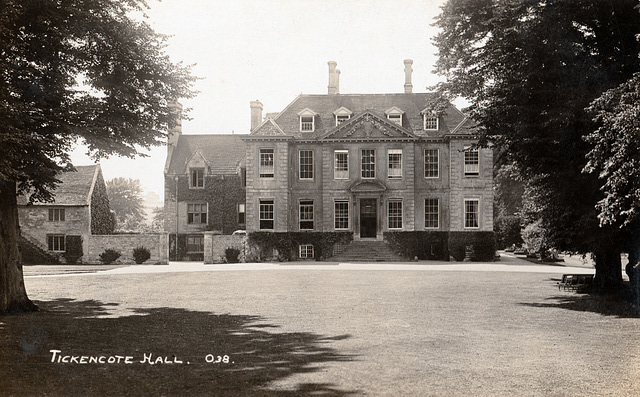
{"x": 256, "y": 114}
{"x": 175, "y": 130}
{"x": 408, "y": 87}
{"x": 334, "y": 78}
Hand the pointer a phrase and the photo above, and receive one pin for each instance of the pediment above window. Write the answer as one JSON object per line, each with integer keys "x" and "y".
{"x": 368, "y": 187}
{"x": 368, "y": 126}
{"x": 306, "y": 112}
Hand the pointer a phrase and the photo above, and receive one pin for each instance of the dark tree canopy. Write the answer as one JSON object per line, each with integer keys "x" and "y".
{"x": 91, "y": 71}
{"x": 80, "y": 70}
{"x": 530, "y": 70}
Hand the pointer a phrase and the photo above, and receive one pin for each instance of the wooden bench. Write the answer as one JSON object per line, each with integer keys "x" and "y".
{"x": 575, "y": 281}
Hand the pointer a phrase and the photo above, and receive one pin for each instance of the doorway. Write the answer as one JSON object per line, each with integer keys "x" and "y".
{"x": 368, "y": 218}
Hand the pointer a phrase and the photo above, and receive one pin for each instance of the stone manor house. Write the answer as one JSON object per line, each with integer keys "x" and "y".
{"x": 374, "y": 169}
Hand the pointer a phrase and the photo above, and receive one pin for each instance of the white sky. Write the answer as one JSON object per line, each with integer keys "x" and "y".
{"x": 274, "y": 50}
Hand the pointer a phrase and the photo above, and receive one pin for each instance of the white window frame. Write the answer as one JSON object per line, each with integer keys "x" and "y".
{"x": 428, "y": 171}
{"x": 57, "y": 215}
{"x": 469, "y": 216}
{"x": 437, "y": 213}
{"x": 342, "y": 215}
{"x": 308, "y": 173}
{"x": 266, "y": 170}
{"x": 430, "y": 121}
{"x": 340, "y": 118}
{"x": 394, "y": 173}
{"x": 471, "y": 161}
{"x": 307, "y": 123}
{"x": 196, "y": 178}
{"x": 370, "y": 173}
{"x": 305, "y": 251}
{"x": 338, "y": 172}
{"x": 395, "y": 216}
{"x": 266, "y": 202}
{"x": 395, "y": 118}
{"x": 191, "y": 209}
{"x": 304, "y": 216}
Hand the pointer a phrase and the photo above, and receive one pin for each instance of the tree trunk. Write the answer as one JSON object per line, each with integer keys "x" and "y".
{"x": 13, "y": 295}
{"x": 633, "y": 266}
{"x": 608, "y": 270}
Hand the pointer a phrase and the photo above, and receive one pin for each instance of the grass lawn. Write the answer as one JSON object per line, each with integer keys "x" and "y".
{"x": 318, "y": 332}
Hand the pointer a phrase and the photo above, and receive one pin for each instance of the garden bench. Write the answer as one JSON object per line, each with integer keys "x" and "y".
{"x": 575, "y": 281}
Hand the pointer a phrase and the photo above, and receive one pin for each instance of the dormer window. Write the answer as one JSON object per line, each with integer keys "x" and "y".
{"x": 196, "y": 178}
{"x": 394, "y": 114}
{"x": 343, "y": 114}
{"x": 430, "y": 120}
{"x": 307, "y": 120}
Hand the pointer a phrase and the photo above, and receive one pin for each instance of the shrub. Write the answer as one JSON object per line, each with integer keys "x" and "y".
{"x": 73, "y": 249}
{"x": 141, "y": 254}
{"x": 232, "y": 255}
{"x": 430, "y": 245}
{"x": 109, "y": 256}
{"x": 484, "y": 245}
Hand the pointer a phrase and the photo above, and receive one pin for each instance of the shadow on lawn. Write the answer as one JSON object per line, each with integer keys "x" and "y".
{"x": 257, "y": 353}
{"x": 606, "y": 304}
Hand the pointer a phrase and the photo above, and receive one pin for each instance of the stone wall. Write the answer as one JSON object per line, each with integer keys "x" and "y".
{"x": 156, "y": 243}
{"x": 216, "y": 244}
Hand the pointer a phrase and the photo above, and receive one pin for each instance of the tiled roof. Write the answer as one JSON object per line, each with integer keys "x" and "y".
{"x": 75, "y": 187}
{"x": 223, "y": 153}
{"x": 411, "y": 104}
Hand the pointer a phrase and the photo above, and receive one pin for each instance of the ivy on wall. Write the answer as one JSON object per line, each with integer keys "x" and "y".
{"x": 287, "y": 243}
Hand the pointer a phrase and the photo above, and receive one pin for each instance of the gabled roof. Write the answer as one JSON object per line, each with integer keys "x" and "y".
{"x": 325, "y": 105}
{"x": 368, "y": 126}
{"x": 75, "y": 188}
{"x": 223, "y": 153}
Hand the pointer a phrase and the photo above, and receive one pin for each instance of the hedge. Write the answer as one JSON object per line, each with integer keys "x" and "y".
{"x": 483, "y": 243}
{"x": 424, "y": 244}
{"x": 287, "y": 242}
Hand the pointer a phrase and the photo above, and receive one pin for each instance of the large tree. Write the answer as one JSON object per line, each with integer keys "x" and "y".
{"x": 615, "y": 158}
{"x": 74, "y": 70}
{"x": 125, "y": 199}
{"x": 530, "y": 68}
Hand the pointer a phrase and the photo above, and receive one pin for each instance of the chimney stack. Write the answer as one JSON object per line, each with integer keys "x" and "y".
{"x": 334, "y": 77}
{"x": 175, "y": 129}
{"x": 408, "y": 87}
{"x": 256, "y": 114}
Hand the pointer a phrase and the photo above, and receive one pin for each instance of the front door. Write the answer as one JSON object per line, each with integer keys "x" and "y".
{"x": 368, "y": 218}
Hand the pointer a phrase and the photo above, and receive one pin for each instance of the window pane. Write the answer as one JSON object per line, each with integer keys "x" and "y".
{"x": 306, "y": 214}
{"x": 266, "y": 214}
{"x": 306, "y": 251}
{"x": 196, "y": 213}
{"x": 471, "y": 214}
{"x": 431, "y": 163}
{"x": 195, "y": 244}
{"x": 306, "y": 164}
{"x": 395, "y": 214}
{"x": 266, "y": 168}
{"x": 306, "y": 123}
{"x": 395, "y": 163}
{"x": 471, "y": 162}
{"x": 430, "y": 121}
{"x": 341, "y": 215}
{"x": 197, "y": 177}
{"x": 368, "y": 163}
{"x": 341, "y": 165}
{"x": 431, "y": 213}
{"x": 241, "y": 213}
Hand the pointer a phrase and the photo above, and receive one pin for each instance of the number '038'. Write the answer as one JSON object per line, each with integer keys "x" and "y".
{"x": 211, "y": 359}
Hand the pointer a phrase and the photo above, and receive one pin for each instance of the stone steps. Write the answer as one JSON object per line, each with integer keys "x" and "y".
{"x": 367, "y": 251}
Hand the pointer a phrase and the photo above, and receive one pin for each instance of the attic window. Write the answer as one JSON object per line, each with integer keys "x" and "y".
{"x": 196, "y": 179}
{"x": 394, "y": 114}
{"x": 342, "y": 114}
{"x": 307, "y": 120}
{"x": 430, "y": 120}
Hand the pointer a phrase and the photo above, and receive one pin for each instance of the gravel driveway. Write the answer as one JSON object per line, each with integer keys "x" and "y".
{"x": 416, "y": 329}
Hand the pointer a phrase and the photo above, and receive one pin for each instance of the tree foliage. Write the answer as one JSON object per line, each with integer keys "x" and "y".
{"x": 125, "y": 200}
{"x": 74, "y": 70}
{"x": 80, "y": 70}
{"x": 530, "y": 69}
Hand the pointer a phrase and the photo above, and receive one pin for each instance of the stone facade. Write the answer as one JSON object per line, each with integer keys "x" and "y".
{"x": 215, "y": 246}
